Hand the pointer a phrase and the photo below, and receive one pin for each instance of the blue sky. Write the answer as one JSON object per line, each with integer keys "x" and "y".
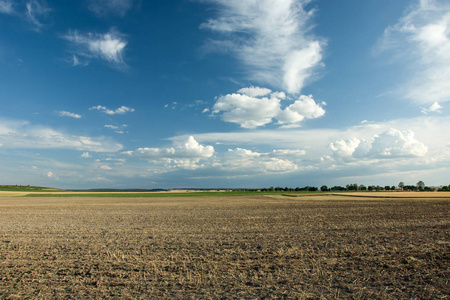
{"x": 224, "y": 93}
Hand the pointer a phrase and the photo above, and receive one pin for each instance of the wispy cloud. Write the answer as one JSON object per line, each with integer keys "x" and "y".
{"x": 36, "y": 13}
{"x": 6, "y": 7}
{"x": 121, "y": 110}
{"x": 63, "y": 113}
{"x": 116, "y": 128}
{"x": 104, "y": 8}
{"x": 23, "y": 135}
{"x": 111, "y": 126}
{"x": 434, "y": 108}
{"x": 108, "y": 47}
{"x": 271, "y": 38}
{"x": 422, "y": 37}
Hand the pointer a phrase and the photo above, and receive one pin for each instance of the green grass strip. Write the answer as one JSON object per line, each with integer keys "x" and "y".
{"x": 145, "y": 195}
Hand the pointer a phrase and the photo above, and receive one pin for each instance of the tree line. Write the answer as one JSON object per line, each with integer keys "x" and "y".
{"x": 419, "y": 186}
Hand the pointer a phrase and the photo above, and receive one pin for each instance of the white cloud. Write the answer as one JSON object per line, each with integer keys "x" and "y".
{"x": 109, "y": 46}
{"x": 375, "y": 151}
{"x": 345, "y": 148}
{"x": 299, "y": 66}
{"x": 395, "y": 143}
{"x": 63, "y": 113}
{"x": 22, "y": 135}
{"x": 86, "y": 155}
{"x": 435, "y": 107}
{"x": 254, "y": 91}
{"x": 251, "y": 111}
{"x": 248, "y": 112}
{"x": 303, "y": 108}
{"x": 120, "y": 110}
{"x": 105, "y": 167}
{"x": 271, "y": 38}
{"x": 429, "y": 133}
{"x": 184, "y": 154}
{"x": 392, "y": 143}
{"x": 36, "y": 12}
{"x": 111, "y": 126}
{"x": 6, "y": 7}
{"x": 244, "y": 161}
{"x": 423, "y": 39}
{"x": 49, "y": 174}
{"x": 110, "y": 7}
{"x": 288, "y": 153}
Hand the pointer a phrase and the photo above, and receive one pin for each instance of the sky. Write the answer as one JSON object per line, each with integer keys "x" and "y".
{"x": 224, "y": 93}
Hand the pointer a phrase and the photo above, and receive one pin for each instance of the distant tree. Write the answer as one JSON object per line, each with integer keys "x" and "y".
{"x": 444, "y": 189}
{"x": 421, "y": 185}
{"x": 371, "y": 188}
{"x": 392, "y": 188}
{"x": 352, "y": 187}
{"x": 362, "y": 187}
{"x": 401, "y": 185}
{"x": 410, "y": 188}
{"x": 324, "y": 188}
{"x": 338, "y": 188}
{"x": 387, "y": 188}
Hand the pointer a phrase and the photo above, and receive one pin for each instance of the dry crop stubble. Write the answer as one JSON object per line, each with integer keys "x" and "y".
{"x": 216, "y": 247}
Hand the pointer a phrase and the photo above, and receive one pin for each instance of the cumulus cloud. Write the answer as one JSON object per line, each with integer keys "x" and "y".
{"x": 303, "y": 108}
{"x": 23, "y": 135}
{"x": 254, "y": 107}
{"x": 248, "y": 112}
{"x": 63, "y": 113}
{"x": 435, "y": 107}
{"x": 184, "y": 154}
{"x": 108, "y": 47}
{"x": 395, "y": 143}
{"x": 271, "y": 38}
{"x": 423, "y": 38}
{"x": 407, "y": 147}
{"x": 345, "y": 148}
{"x": 110, "y": 7}
{"x": 86, "y": 155}
{"x": 392, "y": 143}
{"x": 121, "y": 110}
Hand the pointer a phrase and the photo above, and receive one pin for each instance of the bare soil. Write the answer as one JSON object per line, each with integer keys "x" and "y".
{"x": 252, "y": 247}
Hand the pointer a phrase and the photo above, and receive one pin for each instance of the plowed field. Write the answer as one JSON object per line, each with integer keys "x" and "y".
{"x": 247, "y": 247}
